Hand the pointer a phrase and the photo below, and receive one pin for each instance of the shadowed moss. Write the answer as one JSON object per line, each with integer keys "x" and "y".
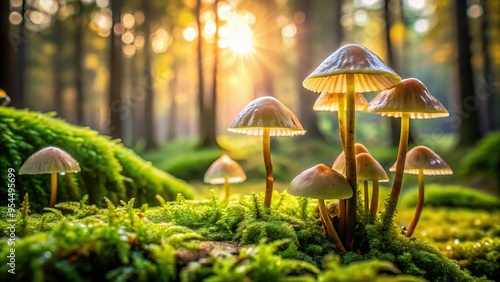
{"x": 108, "y": 169}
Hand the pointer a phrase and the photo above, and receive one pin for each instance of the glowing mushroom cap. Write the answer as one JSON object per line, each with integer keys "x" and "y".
{"x": 370, "y": 72}
{"x": 49, "y": 160}
{"x": 266, "y": 112}
{"x": 224, "y": 168}
{"x": 320, "y": 182}
{"x": 421, "y": 157}
{"x": 339, "y": 163}
{"x": 411, "y": 97}
{"x": 329, "y": 102}
{"x": 367, "y": 168}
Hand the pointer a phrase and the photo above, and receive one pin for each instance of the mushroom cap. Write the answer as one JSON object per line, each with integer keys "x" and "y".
{"x": 329, "y": 102}
{"x": 49, "y": 160}
{"x": 4, "y": 98}
{"x": 266, "y": 112}
{"x": 370, "y": 72}
{"x": 222, "y": 168}
{"x": 320, "y": 182}
{"x": 339, "y": 163}
{"x": 421, "y": 157}
{"x": 367, "y": 168}
{"x": 411, "y": 97}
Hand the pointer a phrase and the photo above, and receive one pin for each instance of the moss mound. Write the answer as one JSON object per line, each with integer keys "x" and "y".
{"x": 452, "y": 196}
{"x": 108, "y": 169}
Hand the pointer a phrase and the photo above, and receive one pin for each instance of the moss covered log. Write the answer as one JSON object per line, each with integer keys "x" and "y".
{"x": 108, "y": 169}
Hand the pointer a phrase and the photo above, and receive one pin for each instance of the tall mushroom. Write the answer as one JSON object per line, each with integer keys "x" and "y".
{"x": 352, "y": 68}
{"x": 368, "y": 169}
{"x": 266, "y": 117}
{"x": 50, "y": 160}
{"x": 409, "y": 99}
{"x": 224, "y": 170}
{"x": 422, "y": 161}
{"x": 321, "y": 182}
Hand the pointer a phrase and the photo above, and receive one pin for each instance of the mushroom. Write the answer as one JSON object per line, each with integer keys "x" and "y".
{"x": 422, "y": 161}
{"x": 368, "y": 169}
{"x": 50, "y": 160}
{"x": 352, "y": 68}
{"x": 335, "y": 102}
{"x": 339, "y": 163}
{"x": 409, "y": 99}
{"x": 321, "y": 182}
{"x": 4, "y": 98}
{"x": 266, "y": 117}
{"x": 224, "y": 170}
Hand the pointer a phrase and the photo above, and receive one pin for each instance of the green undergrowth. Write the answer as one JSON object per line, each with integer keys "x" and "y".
{"x": 484, "y": 158}
{"x": 108, "y": 169}
{"x": 72, "y": 240}
{"x": 471, "y": 237}
{"x": 452, "y": 196}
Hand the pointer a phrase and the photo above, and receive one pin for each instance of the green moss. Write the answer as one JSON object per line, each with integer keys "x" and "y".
{"x": 452, "y": 196}
{"x": 108, "y": 169}
{"x": 484, "y": 159}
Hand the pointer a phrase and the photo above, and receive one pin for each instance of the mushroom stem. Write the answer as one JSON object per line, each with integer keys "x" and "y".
{"x": 350, "y": 161}
{"x": 341, "y": 120}
{"x": 365, "y": 186}
{"x": 329, "y": 226}
{"x": 266, "y": 145}
{"x": 53, "y": 188}
{"x": 374, "y": 203}
{"x": 420, "y": 204}
{"x": 400, "y": 165}
{"x": 226, "y": 189}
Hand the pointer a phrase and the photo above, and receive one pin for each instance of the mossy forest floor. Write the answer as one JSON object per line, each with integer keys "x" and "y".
{"x": 207, "y": 239}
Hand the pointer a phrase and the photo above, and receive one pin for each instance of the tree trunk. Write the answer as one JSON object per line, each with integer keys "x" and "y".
{"x": 18, "y": 42}
{"x": 201, "y": 82}
{"x": 137, "y": 96}
{"x": 267, "y": 32}
{"x": 6, "y": 52}
{"x": 308, "y": 117}
{"x": 79, "y": 33}
{"x": 149, "y": 116}
{"x": 486, "y": 88}
{"x": 469, "y": 130}
{"x": 172, "y": 114}
{"x": 210, "y": 137}
{"x": 57, "y": 68}
{"x": 115, "y": 69}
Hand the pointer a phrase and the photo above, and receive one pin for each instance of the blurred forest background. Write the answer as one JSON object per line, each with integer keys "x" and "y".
{"x": 151, "y": 71}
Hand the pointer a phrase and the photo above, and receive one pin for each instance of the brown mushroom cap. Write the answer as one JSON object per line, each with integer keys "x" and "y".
{"x": 367, "y": 168}
{"x": 421, "y": 157}
{"x": 370, "y": 72}
{"x": 411, "y": 97}
{"x": 266, "y": 112}
{"x": 329, "y": 102}
{"x": 339, "y": 163}
{"x": 224, "y": 168}
{"x": 320, "y": 182}
{"x": 49, "y": 160}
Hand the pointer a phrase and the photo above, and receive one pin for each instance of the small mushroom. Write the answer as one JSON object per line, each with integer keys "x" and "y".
{"x": 335, "y": 102}
{"x": 224, "y": 170}
{"x": 368, "y": 169}
{"x": 321, "y": 182}
{"x": 339, "y": 163}
{"x": 266, "y": 117}
{"x": 422, "y": 161}
{"x": 409, "y": 99}
{"x": 50, "y": 160}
